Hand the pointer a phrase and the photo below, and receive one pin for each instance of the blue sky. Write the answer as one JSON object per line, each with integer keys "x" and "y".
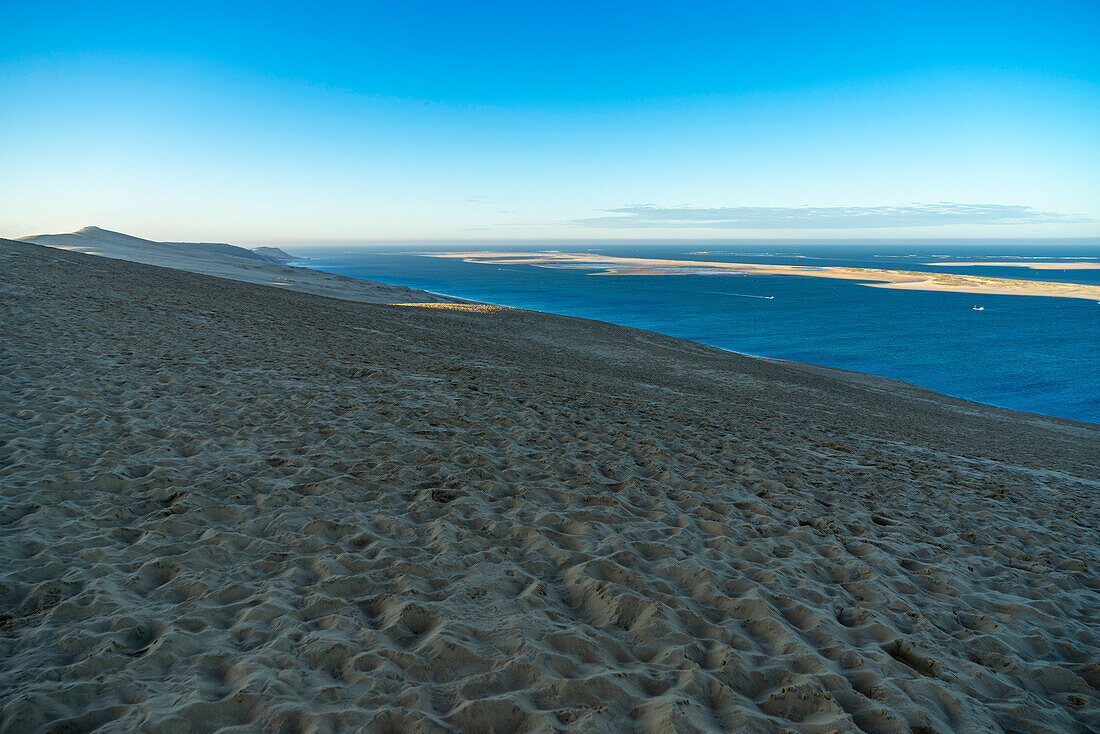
{"x": 271, "y": 122}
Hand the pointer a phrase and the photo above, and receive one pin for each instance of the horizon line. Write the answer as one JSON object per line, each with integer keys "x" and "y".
{"x": 691, "y": 240}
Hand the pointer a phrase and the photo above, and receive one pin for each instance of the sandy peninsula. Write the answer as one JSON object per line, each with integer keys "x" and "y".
{"x": 874, "y": 277}
{"x": 232, "y": 507}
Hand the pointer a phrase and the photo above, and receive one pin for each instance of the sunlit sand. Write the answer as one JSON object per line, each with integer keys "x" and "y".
{"x": 466, "y": 307}
{"x": 1032, "y": 264}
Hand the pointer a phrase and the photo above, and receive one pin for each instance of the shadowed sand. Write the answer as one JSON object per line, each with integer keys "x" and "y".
{"x": 232, "y": 507}
{"x": 900, "y": 279}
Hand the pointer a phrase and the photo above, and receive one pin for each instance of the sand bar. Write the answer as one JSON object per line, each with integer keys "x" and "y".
{"x": 1033, "y": 265}
{"x": 875, "y": 277}
{"x": 230, "y": 505}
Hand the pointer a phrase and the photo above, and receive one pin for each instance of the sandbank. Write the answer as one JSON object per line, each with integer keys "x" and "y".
{"x": 879, "y": 278}
{"x": 1033, "y": 265}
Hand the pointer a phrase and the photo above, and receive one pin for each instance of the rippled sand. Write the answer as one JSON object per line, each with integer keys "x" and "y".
{"x": 230, "y": 507}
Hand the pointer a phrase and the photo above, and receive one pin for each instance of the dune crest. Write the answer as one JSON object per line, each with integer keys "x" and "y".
{"x": 262, "y": 265}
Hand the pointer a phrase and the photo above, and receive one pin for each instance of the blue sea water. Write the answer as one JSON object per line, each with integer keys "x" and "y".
{"x": 1036, "y": 354}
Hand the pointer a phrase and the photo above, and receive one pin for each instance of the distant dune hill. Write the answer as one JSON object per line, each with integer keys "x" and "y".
{"x": 275, "y": 254}
{"x": 92, "y": 237}
{"x": 262, "y": 265}
{"x": 222, "y": 248}
{"x": 265, "y": 254}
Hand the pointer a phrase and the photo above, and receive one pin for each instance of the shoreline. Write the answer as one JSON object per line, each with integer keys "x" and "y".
{"x": 864, "y": 378}
{"x": 814, "y": 365}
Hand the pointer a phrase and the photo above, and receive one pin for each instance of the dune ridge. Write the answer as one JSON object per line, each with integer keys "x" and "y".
{"x": 262, "y": 265}
{"x": 228, "y": 507}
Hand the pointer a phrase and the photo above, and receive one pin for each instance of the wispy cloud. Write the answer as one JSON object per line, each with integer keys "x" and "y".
{"x": 827, "y": 217}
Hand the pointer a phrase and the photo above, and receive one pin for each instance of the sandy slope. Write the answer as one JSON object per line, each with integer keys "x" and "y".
{"x": 261, "y": 265}
{"x": 233, "y": 507}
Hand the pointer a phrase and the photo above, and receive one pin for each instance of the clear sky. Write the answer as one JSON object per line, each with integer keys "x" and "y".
{"x": 273, "y": 122}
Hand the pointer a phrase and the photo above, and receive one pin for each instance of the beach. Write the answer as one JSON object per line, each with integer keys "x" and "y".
{"x": 231, "y": 506}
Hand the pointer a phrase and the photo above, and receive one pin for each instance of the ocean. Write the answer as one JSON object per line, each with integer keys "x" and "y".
{"x": 1036, "y": 354}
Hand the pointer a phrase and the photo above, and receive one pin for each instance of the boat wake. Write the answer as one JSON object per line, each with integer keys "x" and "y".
{"x": 743, "y": 295}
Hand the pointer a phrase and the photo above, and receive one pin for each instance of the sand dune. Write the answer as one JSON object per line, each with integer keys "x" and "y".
{"x": 263, "y": 265}
{"x": 227, "y": 507}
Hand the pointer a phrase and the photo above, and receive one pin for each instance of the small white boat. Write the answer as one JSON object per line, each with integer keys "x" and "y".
{"x": 978, "y": 308}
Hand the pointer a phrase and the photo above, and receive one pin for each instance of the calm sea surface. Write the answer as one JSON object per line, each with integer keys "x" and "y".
{"x": 1037, "y": 354}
